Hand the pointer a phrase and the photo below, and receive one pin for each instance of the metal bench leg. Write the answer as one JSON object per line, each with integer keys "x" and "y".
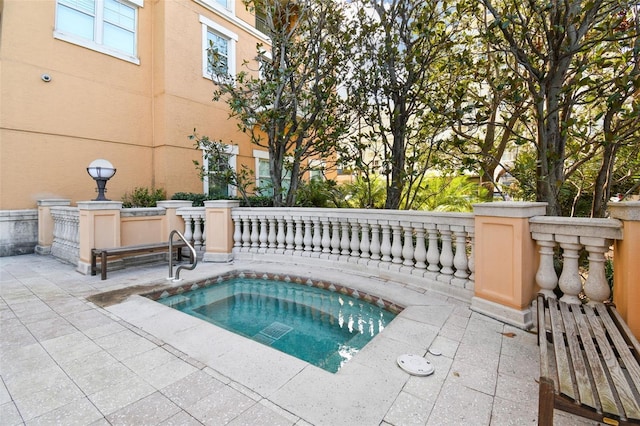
{"x": 103, "y": 266}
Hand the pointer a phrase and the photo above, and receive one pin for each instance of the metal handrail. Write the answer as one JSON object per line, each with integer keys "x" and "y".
{"x": 194, "y": 258}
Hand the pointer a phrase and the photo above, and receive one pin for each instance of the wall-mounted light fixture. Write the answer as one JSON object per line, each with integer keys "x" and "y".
{"x": 101, "y": 171}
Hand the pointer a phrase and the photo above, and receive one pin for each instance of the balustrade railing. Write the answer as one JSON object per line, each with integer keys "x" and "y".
{"x": 563, "y": 242}
{"x": 66, "y": 236}
{"x": 194, "y": 226}
{"x": 427, "y": 244}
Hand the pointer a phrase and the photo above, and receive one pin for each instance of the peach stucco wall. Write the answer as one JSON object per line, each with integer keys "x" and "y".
{"x": 138, "y": 117}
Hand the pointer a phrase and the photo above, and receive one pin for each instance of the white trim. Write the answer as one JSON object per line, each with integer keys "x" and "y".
{"x": 88, "y": 44}
{"x": 208, "y": 24}
{"x": 233, "y": 151}
{"x": 231, "y": 18}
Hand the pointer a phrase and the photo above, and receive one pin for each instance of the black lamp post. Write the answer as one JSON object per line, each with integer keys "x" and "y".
{"x": 101, "y": 171}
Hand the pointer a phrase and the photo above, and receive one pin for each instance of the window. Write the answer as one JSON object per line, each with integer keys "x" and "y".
{"x": 316, "y": 169}
{"x": 217, "y": 185}
{"x": 219, "y": 49}
{"x": 264, "y": 185}
{"x": 107, "y": 26}
{"x": 261, "y": 21}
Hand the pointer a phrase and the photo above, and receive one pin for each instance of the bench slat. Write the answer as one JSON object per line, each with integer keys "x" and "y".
{"x": 585, "y": 391}
{"x": 542, "y": 339}
{"x": 564, "y": 379}
{"x": 606, "y": 401}
{"x": 627, "y": 398}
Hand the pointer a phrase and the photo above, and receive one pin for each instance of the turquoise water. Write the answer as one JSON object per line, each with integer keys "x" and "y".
{"x": 319, "y": 326}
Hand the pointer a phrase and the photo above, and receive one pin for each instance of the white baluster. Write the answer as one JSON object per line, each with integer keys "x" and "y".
{"x": 396, "y": 243}
{"x": 188, "y": 226}
{"x": 344, "y": 241}
{"x": 420, "y": 254}
{"x": 569, "y": 281}
{"x": 263, "y": 236}
{"x": 326, "y": 235}
{"x": 298, "y": 240}
{"x": 246, "y": 232}
{"x": 446, "y": 254}
{"x": 335, "y": 236}
{"x": 308, "y": 238}
{"x": 460, "y": 258}
{"x": 271, "y": 238}
{"x": 317, "y": 235}
{"x": 237, "y": 232}
{"x": 546, "y": 277}
{"x": 290, "y": 237}
{"x": 596, "y": 287}
{"x": 355, "y": 238}
{"x": 197, "y": 232}
{"x": 281, "y": 237}
{"x": 375, "y": 241}
{"x": 385, "y": 247}
{"x": 407, "y": 248}
{"x": 255, "y": 232}
{"x": 433, "y": 254}
{"x": 364, "y": 241}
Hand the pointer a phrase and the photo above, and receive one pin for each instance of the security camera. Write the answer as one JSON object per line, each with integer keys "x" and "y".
{"x": 46, "y": 78}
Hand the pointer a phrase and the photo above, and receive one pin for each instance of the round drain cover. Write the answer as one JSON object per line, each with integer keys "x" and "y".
{"x": 415, "y": 365}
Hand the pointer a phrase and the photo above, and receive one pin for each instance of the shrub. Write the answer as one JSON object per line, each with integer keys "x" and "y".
{"x": 143, "y": 197}
{"x": 196, "y": 198}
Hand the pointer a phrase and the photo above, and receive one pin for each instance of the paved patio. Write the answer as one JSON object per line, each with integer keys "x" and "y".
{"x": 65, "y": 360}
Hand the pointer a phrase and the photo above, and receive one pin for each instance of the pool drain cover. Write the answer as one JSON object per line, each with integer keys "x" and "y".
{"x": 415, "y": 365}
{"x": 275, "y": 331}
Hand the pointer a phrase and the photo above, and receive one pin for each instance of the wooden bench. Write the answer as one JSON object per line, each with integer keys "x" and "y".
{"x": 127, "y": 251}
{"x": 589, "y": 363}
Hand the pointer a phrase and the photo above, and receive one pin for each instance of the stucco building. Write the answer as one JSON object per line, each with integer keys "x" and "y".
{"x": 123, "y": 80}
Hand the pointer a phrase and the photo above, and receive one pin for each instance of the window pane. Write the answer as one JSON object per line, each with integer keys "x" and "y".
{"x": 75, "y": 22}
{"x": 223, "y": 3}
{"x": 86, "y": 6}
{"x": 120, "y": 14}
{"x": 218, "y": 53}
{"x": 119, "y": 38}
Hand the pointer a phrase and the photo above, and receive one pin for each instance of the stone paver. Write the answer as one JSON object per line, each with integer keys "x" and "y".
{"x": 67, "y": 361}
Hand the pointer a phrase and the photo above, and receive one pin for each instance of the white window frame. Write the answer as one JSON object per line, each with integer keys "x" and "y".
{"x": 229, "y": 9}
{"x": 259, "y": 155}
{"x": 232, "y": 151}
{"x": 99, "y": 22}
{"x": 317, "y": 166}
{"x": 208, "y": 24}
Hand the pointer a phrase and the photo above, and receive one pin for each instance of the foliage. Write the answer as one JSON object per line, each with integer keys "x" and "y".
{"x": 289, "y": 105}
{"x": 143, "y": 197}
{"x": 216, "y": 154}
{"x": 449, "y": 194}
{"x": 257, "y": 201}
{"x": 319, "y": 193}
{"x": 196, "y": 198}
{"x": 366, "y": 192}
{"x": 398, "y": 52}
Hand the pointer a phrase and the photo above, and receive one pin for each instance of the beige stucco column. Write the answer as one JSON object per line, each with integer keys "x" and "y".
{"x": 45, "y": 224}
{"x": 505, "y": 261}
{"x": 626, "y": 263}
{"x": 219, "y": 230}
{"x": 172, "y": 220}
{"x": 99, "y": 228}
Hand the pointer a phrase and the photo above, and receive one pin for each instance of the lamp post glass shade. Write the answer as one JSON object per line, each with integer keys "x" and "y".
{"x": 101, "y": 171}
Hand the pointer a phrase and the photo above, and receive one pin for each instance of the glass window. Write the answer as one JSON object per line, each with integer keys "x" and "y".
{"x": 218, "y": 49}
{"x": 217, "y": 53}
{"x": 101, "y": 25}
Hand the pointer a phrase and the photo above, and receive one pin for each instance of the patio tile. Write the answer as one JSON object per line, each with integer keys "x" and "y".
{"x": 447, "y": 347}
{"x": 194, "y": 387}
{"x": 9, "y": 414}
{"x": 260, "y": 414}
{"x": 527, "y": 366}
{"x": 182, "y": 418}
{"x": 4, "y": 393}
{"x": 88, "y": 319}
{"x": 51, "y": 328}
{"x": 79, "y": 412}
{"x": 473, "y": 377}
{"x": 433, "y": 314}
{"x": 14, "y": 335}
{"x": 220, "y": 407}
{"x": 18, "y": 360}
{"x": 459, "y": 405}
{"x": 104, "y": 330}
{"x": 512, "y": 413}
{"x": 148, "y": 360}
{"x": 412, "y": 332}
{"x": 168, "y": 373}
{"x": 125, "y": 344}
{"x": 78, "y": 367}
{"x": 103, "y": 377}
{"x": 70, "y": 347}
{"x": 518, "y": 389}
{"x": 409, "y": 410}
{"x": 36, "y": 379}
{"x": 428, "y": 388}
{"x": 113, "y": 398}
{"x": 37, "y": 403}
{"x": 150, "y": 410}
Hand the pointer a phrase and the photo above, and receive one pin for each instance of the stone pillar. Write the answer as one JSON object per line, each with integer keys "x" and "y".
{"x": 219, "y": 230}
{"x": 626, "y": 263}
{"x": 99, "y": 228}
{"x": 45, "y": 224}
{"x": 505, "y": 261}
{"x": 172, "y": 220}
